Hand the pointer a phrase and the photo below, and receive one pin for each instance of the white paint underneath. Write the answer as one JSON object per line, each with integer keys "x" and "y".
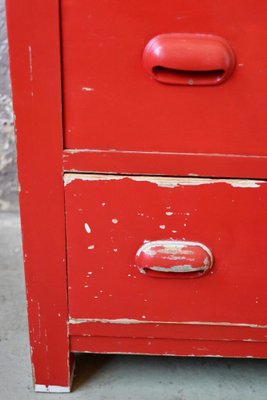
{"x": 165, "y": 182}
{"x": 51, "y": 389}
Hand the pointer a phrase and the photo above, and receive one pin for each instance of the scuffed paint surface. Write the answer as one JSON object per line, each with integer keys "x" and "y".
{"x": 173, "y": 256}
{"x": 127, "y": 321}
{"x": 220, "y": 214}
{"x": 167, "y": 182}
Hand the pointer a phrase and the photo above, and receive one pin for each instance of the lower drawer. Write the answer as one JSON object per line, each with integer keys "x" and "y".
{"x": 166, "y": 250}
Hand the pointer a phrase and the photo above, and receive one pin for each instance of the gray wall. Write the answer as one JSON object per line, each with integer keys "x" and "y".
{"x": 8, "y": 178}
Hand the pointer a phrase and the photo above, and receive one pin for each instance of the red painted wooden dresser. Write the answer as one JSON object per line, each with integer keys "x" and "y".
{"x": 142, "y": 157}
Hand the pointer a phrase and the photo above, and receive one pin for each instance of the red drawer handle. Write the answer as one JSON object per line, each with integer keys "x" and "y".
{"x": 174, "y": 259}
{"x": 189, "y": 59}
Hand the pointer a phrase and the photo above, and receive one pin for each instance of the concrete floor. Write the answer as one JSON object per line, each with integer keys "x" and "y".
{"x": 110, "y": 377}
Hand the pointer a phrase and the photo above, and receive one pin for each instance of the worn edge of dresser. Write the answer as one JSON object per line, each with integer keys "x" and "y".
{"x": 35, "y": 65}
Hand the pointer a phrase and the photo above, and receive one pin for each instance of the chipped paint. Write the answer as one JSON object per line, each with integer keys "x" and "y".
{"x": 177, "y": 268}
{"x": 91, "y": 247}
{"x": 31, "y": 68}
{"x": 239, "y": 183}
{"x": 114, "y": 221}
{"x": 87, "y": 228}
{"x": 88, "y": 89}
{"x": 166, "y": 182}
{"x": 51, "y": 389}
{"x": 166, "y": 244}
{"x": 173, "y": 250}
{"x": 74, "y": 321}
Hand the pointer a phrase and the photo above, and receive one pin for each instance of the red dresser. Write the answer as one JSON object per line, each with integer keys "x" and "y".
{"x": 142, "y": 158}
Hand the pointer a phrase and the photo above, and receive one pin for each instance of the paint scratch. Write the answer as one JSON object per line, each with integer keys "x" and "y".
{"x": 87, "y": 228}
{"x": 74, "y": 321}
{"x": 88, "y": 89}
{"x": 31, "y": 69}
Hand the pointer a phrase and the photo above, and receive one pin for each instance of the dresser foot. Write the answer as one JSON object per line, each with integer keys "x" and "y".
{"x": 52, "y": 388}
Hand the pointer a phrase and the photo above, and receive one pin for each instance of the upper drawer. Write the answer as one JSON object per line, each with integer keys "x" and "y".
{"x": 111, "y": 102}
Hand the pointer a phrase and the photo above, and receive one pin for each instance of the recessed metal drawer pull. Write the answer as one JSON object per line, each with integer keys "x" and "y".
{"x": 174, "y": 259}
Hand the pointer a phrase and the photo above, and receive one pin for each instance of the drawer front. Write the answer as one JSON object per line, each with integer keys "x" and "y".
{"x": 111, "y": 101}
{"x": 119, "y": 228}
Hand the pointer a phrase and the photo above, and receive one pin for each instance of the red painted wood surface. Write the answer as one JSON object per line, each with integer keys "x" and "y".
{"x": 112, "y": 103}
{"x": 33, "y": 30}
{"x": 215, "y": 165}
{"x": 110, "y": 217}
{"x": 193, "y": 331}
{"x": 119, "y": 120}
{"x": 202, "y": 348}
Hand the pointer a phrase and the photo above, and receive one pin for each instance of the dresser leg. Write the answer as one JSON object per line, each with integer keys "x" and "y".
{"x": 45, "y": 271}
{"x": 54, "y": 388}
{"x": 54, "y": 378}
{"x": 52, "y": 362}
